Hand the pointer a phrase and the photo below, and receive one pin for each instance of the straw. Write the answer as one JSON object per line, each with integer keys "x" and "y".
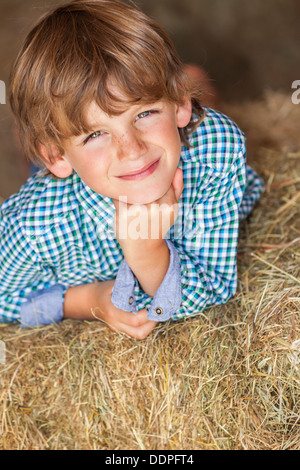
{"x": 228, "y": 378}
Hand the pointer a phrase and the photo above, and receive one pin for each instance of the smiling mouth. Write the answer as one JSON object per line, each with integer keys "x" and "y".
{"x": 142, "y": 173}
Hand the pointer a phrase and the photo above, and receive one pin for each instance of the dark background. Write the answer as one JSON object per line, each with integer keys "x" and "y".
{"x": 247, "y": 47}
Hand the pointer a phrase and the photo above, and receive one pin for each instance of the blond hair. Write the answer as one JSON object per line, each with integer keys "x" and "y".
{"x": 69, "y": 58}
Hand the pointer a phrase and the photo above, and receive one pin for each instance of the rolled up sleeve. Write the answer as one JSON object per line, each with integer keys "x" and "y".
{"x": 43, "y": 307}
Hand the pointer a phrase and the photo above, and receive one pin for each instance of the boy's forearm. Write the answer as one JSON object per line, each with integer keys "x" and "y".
{"x": 149, "y": 261}
{"x": 80, "y": 300}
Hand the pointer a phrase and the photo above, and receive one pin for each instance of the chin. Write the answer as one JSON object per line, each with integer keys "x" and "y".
{"x": 146, "y": 197}
{"x": 141, "y": 200}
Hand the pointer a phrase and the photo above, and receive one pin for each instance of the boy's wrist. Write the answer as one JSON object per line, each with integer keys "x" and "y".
{"x": 141, "y": 248}
{"x": 149, "y": 262}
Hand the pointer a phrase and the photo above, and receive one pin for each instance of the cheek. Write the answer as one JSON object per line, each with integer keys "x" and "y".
{"x": 174, "y": 148}
{"x": 92, "y": 164}
{"x": 168, "y": 137}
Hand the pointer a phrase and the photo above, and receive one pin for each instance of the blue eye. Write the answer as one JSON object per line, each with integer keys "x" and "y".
{"x": 93, "y": 136}
{"x": 146, "y": 114}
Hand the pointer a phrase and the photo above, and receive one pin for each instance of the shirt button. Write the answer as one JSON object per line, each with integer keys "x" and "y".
{"x": 130, "y": 300}
{"x": 159, "y": 311}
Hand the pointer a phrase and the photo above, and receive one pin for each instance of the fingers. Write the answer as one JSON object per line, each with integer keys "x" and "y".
{"x": 141, "y": 332}
{"x": 134, "y": 325}
{"x": 173, "y": 194}
{"x": 177, "y": 183}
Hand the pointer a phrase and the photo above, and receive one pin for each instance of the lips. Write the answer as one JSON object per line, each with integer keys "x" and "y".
{"x": 141, "y": 173}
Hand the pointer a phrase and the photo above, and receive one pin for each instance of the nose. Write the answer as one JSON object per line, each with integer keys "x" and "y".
{"x": 131, "y": 146}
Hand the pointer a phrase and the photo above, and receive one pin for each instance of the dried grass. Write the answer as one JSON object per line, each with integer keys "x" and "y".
{"x": 228, "y": 378}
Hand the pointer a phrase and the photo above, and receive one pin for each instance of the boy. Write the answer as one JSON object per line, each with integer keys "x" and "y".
{"x": 136, "y": 219}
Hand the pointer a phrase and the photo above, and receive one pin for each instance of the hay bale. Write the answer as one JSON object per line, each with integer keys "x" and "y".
{"x": 228, "y": 378}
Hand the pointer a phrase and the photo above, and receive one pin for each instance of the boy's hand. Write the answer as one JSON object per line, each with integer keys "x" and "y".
{"x": 135, "y": 325}
{"x": 93, "y": 301}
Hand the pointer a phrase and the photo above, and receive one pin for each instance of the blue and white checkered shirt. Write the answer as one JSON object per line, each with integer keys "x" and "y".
{"x": 59, "y": 233}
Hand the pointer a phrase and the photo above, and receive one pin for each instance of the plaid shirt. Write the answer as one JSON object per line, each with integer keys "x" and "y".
{"x": 59, "y": 233}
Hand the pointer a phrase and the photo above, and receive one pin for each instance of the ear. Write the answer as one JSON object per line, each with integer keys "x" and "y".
{"x": 184, "y": 113}
{"x": 54, "y": 161}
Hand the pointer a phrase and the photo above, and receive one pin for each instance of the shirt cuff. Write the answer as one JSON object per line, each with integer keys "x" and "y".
{"x": 42, "y": 307}
{"x": 167, "y": 298}
{"x": 123, "y": 291}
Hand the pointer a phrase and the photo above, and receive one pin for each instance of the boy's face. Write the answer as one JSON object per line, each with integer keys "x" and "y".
{"x": 133, "y": 155}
